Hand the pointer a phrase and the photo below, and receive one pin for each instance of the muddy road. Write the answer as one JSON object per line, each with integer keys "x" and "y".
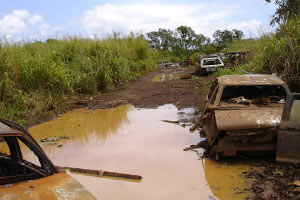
{"x": 163, "y": 86}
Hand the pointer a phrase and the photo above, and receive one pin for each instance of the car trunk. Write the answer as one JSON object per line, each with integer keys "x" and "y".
{"x": 254, "y": 118}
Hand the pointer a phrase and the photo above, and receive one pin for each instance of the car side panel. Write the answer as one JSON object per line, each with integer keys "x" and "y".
{"x": 59, "y": 186}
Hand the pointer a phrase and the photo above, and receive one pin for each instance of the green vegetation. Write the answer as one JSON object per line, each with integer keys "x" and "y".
{"x": 280, "y": 53}
{"x": 277, "y": 52}
{"x": 286, "y": 9}
{"x": 184, "y": 41}
{"x": 36, "y": 77}
{"x": 241, "y": 45}
{"x": 238, "y": 69}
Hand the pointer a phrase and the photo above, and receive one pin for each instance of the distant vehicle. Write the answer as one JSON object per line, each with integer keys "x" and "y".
{"x": 243, "y": 113}
{"x": 167, "y": 63}
{"x": 21, "y": 179}
{"x": 288, "y": 143}
{"x": 235, "y": 58}
{"x": 209, "y": 63}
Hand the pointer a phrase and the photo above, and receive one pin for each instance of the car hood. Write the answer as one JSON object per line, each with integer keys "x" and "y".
{"x": 58, "y": 186}
{"x": 248, "y": 119}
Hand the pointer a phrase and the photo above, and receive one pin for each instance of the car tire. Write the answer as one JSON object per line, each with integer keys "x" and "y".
{"x": 202, "y": 72}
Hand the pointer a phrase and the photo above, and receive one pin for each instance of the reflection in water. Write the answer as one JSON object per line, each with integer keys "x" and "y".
{"x": 82, "y": 123}
{"x": 165, "y": 77}
{"x": 136, "y": 141}
{"x": 225, "y": 180}
{"x": 82, "y": 126}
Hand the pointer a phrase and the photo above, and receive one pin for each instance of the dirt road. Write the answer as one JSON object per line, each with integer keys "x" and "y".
{"x": 163, "y": 86}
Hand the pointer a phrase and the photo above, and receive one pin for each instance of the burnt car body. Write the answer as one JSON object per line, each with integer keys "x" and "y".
{"x": 21, "y": 179}
{"x": 288, "y": 143}
{"x": 243, "y": 113}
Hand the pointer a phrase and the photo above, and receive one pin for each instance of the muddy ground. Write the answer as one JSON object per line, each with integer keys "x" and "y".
{"x": 145, "y": 92}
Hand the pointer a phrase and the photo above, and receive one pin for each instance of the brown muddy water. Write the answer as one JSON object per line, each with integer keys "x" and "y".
{"x": 135, "y": 141}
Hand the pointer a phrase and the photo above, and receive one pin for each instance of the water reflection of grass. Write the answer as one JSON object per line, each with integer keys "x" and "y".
{"x": 80, "y": 124}
{"x": 226, "y": 180}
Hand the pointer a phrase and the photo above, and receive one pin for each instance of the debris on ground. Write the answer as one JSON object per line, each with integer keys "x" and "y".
{"x": 54, "y": 139}
{"x": 196, "y": 124}
{"x": 186, "y": 76}
{"x": 274, "y": 181}
{"x": 202, "y": 144}
{"x": 171, "y": 121}
{"x": 101, "y": 173}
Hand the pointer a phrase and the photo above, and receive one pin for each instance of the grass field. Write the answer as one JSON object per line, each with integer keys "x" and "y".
{"x": 39, "y": 78}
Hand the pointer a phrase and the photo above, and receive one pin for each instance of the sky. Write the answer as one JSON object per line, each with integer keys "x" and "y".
{"x": 38, "y": 20}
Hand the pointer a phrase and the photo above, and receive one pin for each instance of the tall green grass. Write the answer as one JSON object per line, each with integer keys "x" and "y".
{"x": 280, "y": 53}
{"x": 241, "y": 45}
{"x": 39, "y": 75}
{"x": 277, "y": 52}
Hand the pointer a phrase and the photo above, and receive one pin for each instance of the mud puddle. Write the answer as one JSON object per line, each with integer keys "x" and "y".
{"x": 136, "y": 141}
{"x": 166, "y": 77}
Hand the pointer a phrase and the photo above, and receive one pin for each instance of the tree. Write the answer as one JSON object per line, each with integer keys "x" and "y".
{"x": 286, "y": 9}
{"x": 188, "y": 39}
{"x": 222, "y": 38}
{"x": 162, "y": 39}
{"x": 185, "y": 36}
{"x": 237, "y": 34}
{"x": 183, "y": 41}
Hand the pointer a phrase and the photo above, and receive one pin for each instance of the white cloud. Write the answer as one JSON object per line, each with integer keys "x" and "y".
{"x": 202, "y": 17}
{"x": 35, "y": 19}
{"x": 21, "y": 24}
{"x": 14, "y": 22}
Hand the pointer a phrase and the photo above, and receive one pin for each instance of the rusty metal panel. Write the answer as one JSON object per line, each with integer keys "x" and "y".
{"x": 250, "y": 79}
{"x": 288, "y": 146}
{"x": 59, "y": 186}
{"x": 4, "y": 129}
{"x": 225, "y": 145}
{"x": 288, "y": 149}
{"x": 248, "y": 119}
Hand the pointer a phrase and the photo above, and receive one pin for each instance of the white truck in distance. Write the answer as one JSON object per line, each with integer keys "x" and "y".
{"x": 209, "y": 63}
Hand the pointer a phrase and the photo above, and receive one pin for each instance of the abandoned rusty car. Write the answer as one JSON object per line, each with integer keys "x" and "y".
{"x": 243, "y": 113}
{"x": 21, "y": 179}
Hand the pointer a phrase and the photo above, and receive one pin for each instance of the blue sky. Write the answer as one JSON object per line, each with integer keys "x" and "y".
{"x": 36, "y": 19}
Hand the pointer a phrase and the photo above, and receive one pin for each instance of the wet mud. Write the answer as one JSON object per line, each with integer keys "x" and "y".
{"x": 163, "y": 86}
{"x": 274, "y": 181}
{"x": 165, "y": 77}
{"x": 136, "y": 141}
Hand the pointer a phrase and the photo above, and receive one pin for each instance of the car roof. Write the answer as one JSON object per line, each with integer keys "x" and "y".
{"x": 5, "y": 129}
{"x": 250, "y": 79}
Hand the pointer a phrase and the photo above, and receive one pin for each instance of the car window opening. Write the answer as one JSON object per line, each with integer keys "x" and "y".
{"x": 295, "y": 109}
{"x": 211, "y": 62}
{"x": 14, "y": 170}
{"x": 254, "y": 94}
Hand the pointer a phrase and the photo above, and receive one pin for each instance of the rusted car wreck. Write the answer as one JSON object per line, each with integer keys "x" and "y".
{"x": 21, "y": 179}
{"x": 243, "y": 113}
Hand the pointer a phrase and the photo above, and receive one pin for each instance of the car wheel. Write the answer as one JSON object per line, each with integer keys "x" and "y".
{"x": 202, "y": 72}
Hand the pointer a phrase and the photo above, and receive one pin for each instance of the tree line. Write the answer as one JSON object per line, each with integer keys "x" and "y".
{"x": 184, "y": 40}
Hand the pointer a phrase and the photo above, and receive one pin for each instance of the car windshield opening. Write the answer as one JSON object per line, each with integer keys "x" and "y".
{"x": 254, "y": 94}
{"x": 211, "y": 62}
